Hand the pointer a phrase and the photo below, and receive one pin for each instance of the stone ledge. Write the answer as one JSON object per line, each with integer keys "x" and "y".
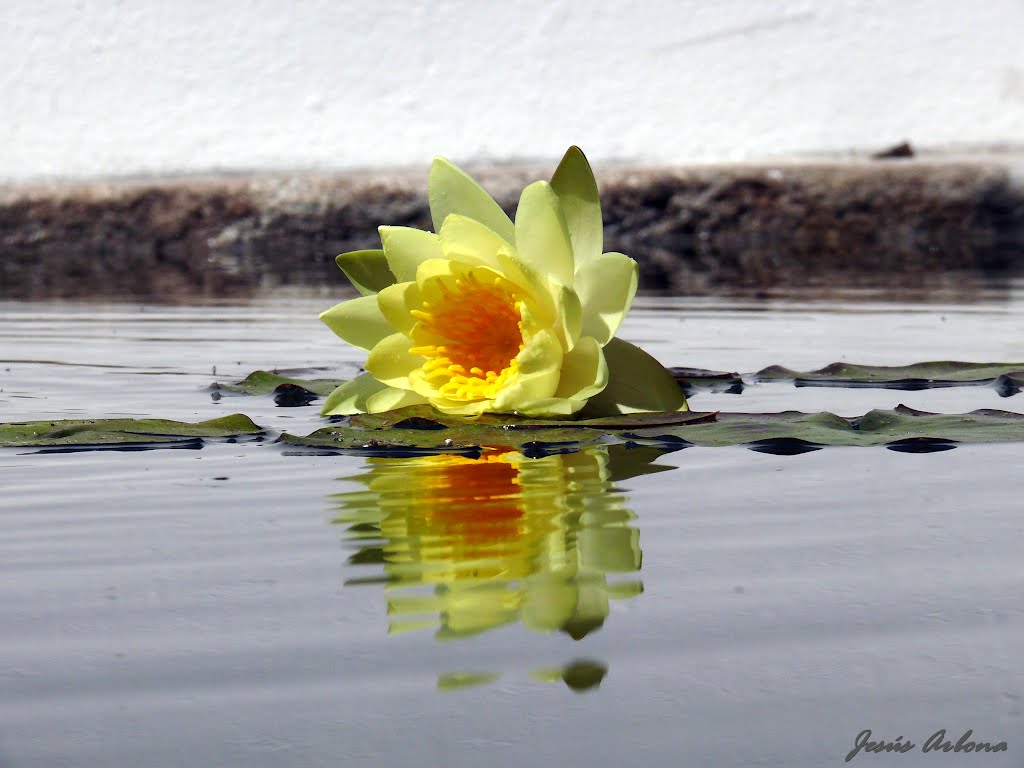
{"x": 694, "y": 230}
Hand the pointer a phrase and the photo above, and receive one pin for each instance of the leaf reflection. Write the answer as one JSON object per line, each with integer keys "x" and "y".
{"x": 471, "y": 544}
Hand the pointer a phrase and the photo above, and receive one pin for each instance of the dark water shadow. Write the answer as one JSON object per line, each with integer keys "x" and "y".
{"x": 922, "y": 445}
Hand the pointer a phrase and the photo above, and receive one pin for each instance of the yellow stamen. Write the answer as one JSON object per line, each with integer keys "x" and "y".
{"x": 482, "y": 332}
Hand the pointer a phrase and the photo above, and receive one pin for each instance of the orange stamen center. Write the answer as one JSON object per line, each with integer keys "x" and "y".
{"x": 481, "y": 332}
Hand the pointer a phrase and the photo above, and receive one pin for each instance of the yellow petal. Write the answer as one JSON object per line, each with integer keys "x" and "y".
{"x": 552, "y": 406}
{"x": 451, "y": 190}
{"x": 569, "y": 313}
{"x": 406, "y": 248}
{"x": 351, "y": 396}
{"x": 358, "y": 321}
{"x": 391, "y": 362}
{"x": 584, "y": 371}
{"x": 390, "y": 398}
{"x": 542, "y": 237}
{"x": 606, "y": 286}
{"x": 539, "y": 364}
{"x": 468, "y": 240}
{"x": 576, "y": 188}
{"x": 397, "y": 302}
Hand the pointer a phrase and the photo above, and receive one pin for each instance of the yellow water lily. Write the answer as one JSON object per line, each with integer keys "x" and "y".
{"x": 491, "y": 316}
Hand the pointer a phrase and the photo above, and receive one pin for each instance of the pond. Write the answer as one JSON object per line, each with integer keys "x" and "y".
{"x": 246, "y": 603}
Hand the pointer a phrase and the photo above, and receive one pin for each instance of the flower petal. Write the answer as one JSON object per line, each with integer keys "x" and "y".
{"x": 584, "y": 371}
{"x": 397, "y": 302}
{"x": 469, "y": 240}
{"x": 391, "y": 362}
{"x": 636, "y": 383}
{"x": 552, "y": 406}
{"x": 368, "y": 271}
{"x": 450, "y": 190}
{"x": 351, "y": 396}
{"x": 390, "y": 398}
{"x": 542, "y": 237}
{"x": 576, "y": 188}
{"x": 539, "y": 362}
{"x": 606, "y": 286}
{"x": 570, "y": 314}
{"x": 358, "y": 321}
{"x": 406, "y": 248}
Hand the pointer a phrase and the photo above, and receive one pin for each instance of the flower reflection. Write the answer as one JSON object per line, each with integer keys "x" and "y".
{"x": 470, "y": 544}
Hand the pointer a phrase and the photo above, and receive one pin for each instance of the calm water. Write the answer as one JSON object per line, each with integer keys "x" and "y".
{"x": 242, "y": 605}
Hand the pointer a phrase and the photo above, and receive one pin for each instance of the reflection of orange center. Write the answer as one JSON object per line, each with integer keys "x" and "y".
{"x": 476, "y": 501}
{"x": 478, "y": 334}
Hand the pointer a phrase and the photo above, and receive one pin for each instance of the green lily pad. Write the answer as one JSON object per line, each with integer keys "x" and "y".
{"x": 413, "y": 431}
{"x": 422, "y": 429}
{"x": 916, "y": 376}
{"x": 426, "y": 417}
{"x": 693, "y": 379}
{"x": 463, "y": 438}
{"x": 876, "y": 427}
{"x": 82, "y": 433}
{"x": 265, "y": 382}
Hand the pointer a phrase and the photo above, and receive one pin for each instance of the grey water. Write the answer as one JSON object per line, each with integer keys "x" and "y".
{"x": 245, "y": 605}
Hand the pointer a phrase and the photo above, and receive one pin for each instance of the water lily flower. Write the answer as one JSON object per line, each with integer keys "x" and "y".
{"x": 491, "y": 316}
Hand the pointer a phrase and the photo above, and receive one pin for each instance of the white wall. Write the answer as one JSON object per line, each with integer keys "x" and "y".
{"x": 149, "y": 86}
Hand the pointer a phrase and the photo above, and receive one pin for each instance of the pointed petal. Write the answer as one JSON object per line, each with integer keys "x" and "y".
{"x": 351, "y": 396}
{"x": 576, "y": 188}
{"x": 460, "y": 408}
{"x": 542, "y": 238}
{"x": 406, "y": 248}
{"x": 367, "y": 270}
{"x": 606, "y": 286}
{"x": 396, "y": 303}
{"x": 584, "y": 371}
{"x": 540, "y": 362}
{"x": 636, "y": 383}
{"x": 570, "y": 314}
{"x": 451, "y": 190}
{"x": 552, "y": 406}
{"x": 358, "y": 321}
{"x": 390, "y": 398}
{"x": 470, "y": 241}
{"x": 391, "y": 362}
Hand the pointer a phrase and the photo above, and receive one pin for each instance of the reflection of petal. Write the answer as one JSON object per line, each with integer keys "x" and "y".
{"x": 501, "y": 539}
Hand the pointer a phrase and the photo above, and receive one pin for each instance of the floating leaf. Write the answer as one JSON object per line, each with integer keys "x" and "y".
{"x": 693, "y": 379}
{"x": 84, "y": 433}
{"x": 876, "y": 427}
{"x": 943, "y": 373}
{"x": 266, "y": 382}
{"x": 786, "y": 433}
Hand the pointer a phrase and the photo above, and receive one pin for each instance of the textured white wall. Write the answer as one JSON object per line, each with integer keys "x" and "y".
{"x": 151, "y": 86}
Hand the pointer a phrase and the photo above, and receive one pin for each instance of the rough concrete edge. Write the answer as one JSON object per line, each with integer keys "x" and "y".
{"x": 695, "y": 229}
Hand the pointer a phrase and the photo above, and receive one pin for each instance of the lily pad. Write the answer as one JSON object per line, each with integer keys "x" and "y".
{"x": 877, "y": 427}
{"x": 694, "y": 379}
{"x": 85, "y": 433}
{"x": 426, "y": 417}
{"x": 421, "y": 429}
{"x": 266, "y": 382}
{"x": 404, "y": 432}
{"x": 463, "y": 438}
{"x": 945, "y": 373}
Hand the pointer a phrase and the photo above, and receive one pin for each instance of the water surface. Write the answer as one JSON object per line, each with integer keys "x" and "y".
{"x": 245, "y": 605}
